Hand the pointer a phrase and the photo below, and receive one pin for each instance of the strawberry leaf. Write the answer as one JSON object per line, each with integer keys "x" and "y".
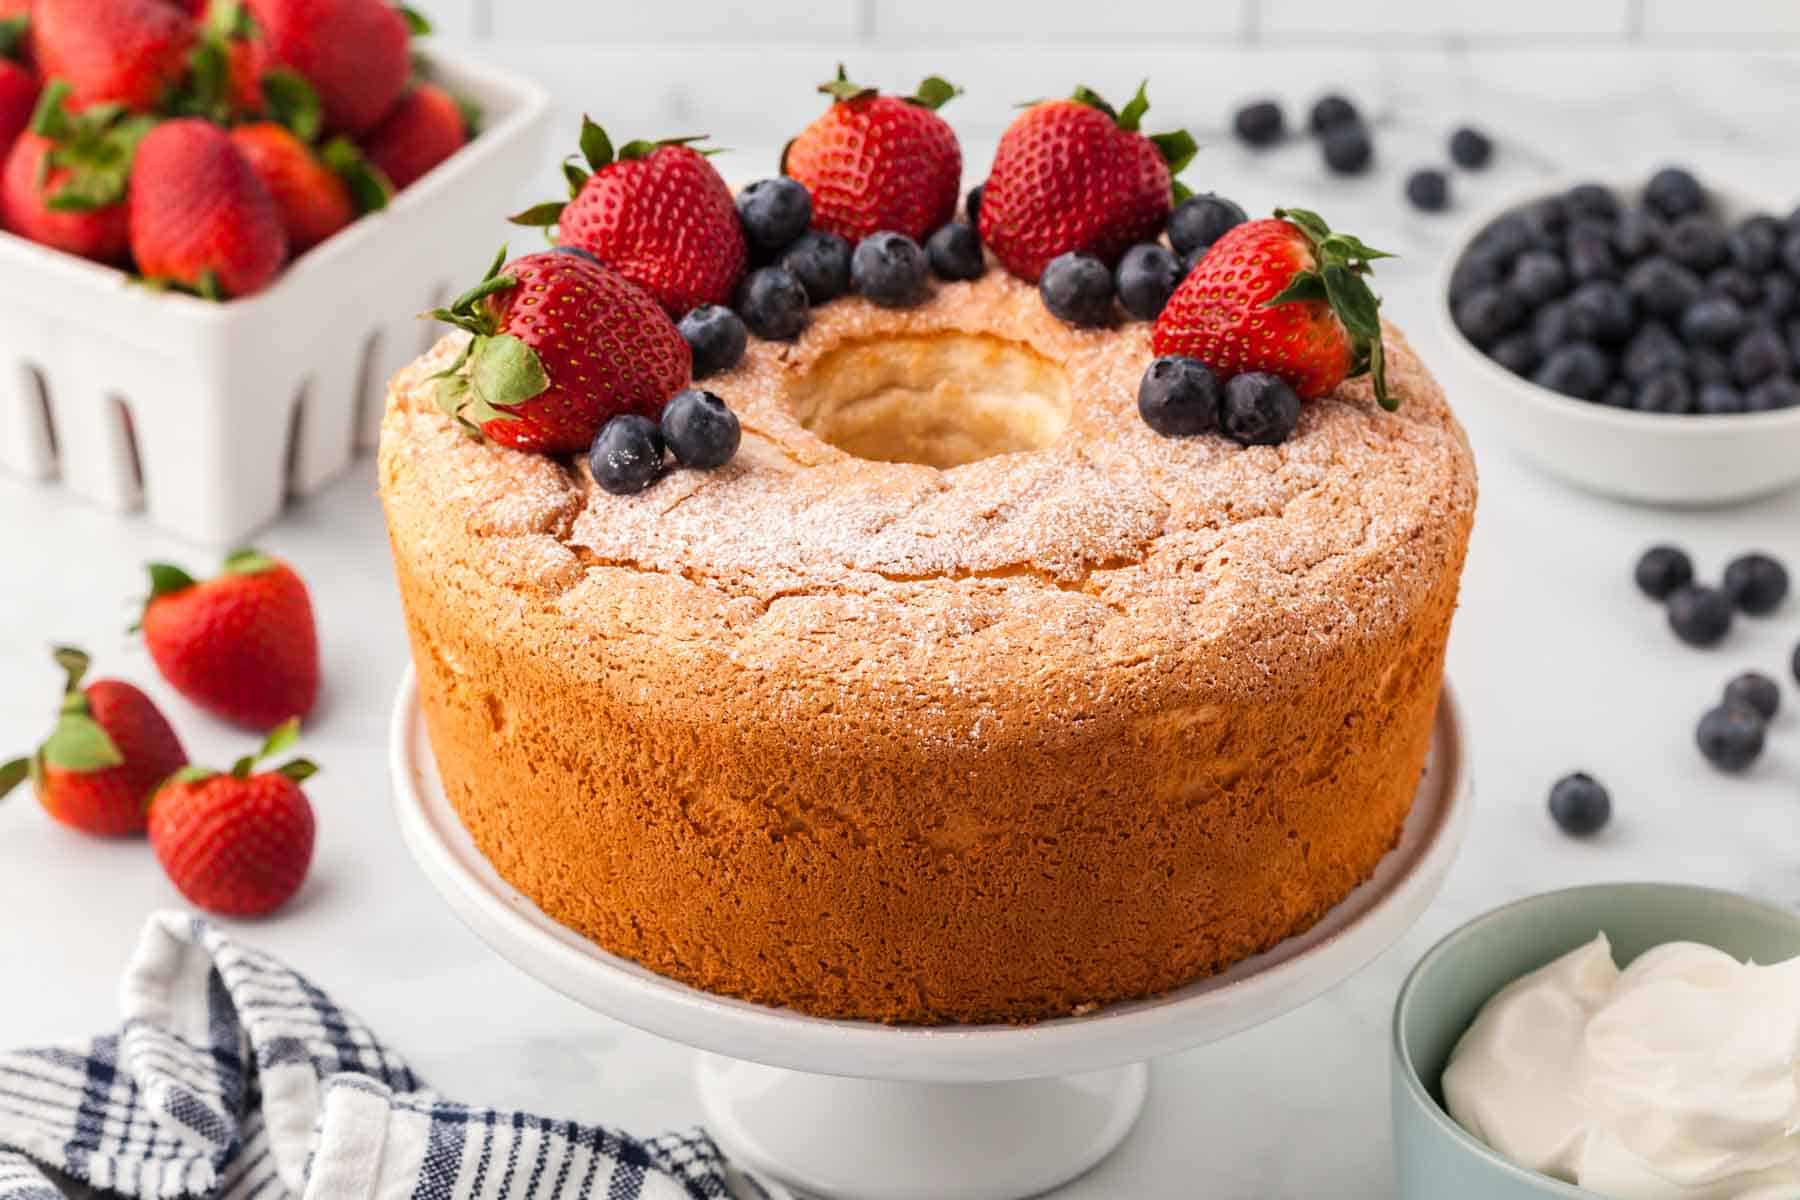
{"x": 51, "y": 119}
{"x": 294, "y": 103}
{"x": 596, "y": 147}
{"x": 1343, "y": 263}
{"x": 282, "y": 737}
{"x": 841, "y": 89}
{"x": 246, "y": 561}
{"x": 934, "y": 92}
{"x": 190, "y": 774}
{"x": 1084, "y": 94}
{"x": 504, "y": 372}
{"x": 97, "y": 151}
{"x": 13, "y": 773}
{"x": 417, "y": 23}
{"x": 1177, "y": 148}
{"x": 1351, "y": 299}
{"x": 12, "y": 38}
{"x": 472, "y": 116}
{"x": 299, "y": 770}
{"x": 576, "y": 177}
{"x": 1179, "y": 191}
{"x": 166, "y": 578}
{"x": 1305, "y": 285}
{"x": 370, "y": 190}
{"x": 540, "y": 215}
{"x": 1310, "y": 222}
{"x": 74, "y": 663}
{"x": 79, "y": 744}
{"x": 1133, "y": 113}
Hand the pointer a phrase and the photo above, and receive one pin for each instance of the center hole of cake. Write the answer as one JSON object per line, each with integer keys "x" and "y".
{"x": 940, "y": 401}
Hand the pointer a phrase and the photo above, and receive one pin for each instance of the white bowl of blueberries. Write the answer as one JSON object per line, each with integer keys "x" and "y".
{"x": 1641, "y": 342}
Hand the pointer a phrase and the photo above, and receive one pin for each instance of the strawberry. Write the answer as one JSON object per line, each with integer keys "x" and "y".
{"x": 875, "y": 162}
{"x": 1284, "y": 295}
{"x": 241, "y": 645}
{"x": 237, "y": 844}
{"x": 109, "y": 751}
{"x": 200, "y": 217}
{"x": 132, "y": 52}
{"x": 657, "y": 213}
{"x": 1076, "y": 175}
{"x": 65, "y": 178}
{"x": 425, "y": 128}
{"x": 356, "y": 53}
{"x": 561, "y": 345}
{"x": 314, "y": 202}
{"x": 18, "y": 97}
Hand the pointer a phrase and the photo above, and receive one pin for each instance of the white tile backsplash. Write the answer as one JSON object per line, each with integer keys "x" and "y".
{"x": 703, "y": 22}
{"x": 1443, "y": 18}
{"x": 1024, "y": 21}
{"x": 1730, "y": 18}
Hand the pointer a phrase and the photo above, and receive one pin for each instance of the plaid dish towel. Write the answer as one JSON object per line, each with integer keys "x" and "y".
{"x": 235, "y": 1078}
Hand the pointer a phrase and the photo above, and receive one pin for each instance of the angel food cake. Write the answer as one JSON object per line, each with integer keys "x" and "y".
{"x": 1007, "y": 666}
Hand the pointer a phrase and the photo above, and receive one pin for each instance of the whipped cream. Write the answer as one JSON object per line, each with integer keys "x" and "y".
{"x": 1677, "y": 1078}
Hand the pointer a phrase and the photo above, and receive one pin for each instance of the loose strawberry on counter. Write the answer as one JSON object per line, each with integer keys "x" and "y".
{"x": 241, "y": 645}
{"x": 65, "y": 179}
{"x": 237, "y": 844}
{"x": 1076, "y": 176}
{"x": 560, "y": 345}
{"x": 1286, "y": 296}
{"x": 427, "y": 126}
{"x": 658, "y": 213}
{"x": 200, "y": 217}
{"x": 109, "y": 751}
{"x": 875, "y": 162}
{"x": 130, "y": 52}
{"x": 356, "y": 53}
{"x": 18, "y": 82}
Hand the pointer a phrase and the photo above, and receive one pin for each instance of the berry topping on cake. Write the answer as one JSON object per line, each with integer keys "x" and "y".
{"x": 890, "y": 269}
{"x": 1078, "y": 288}
{"x": 1179, "y": 397}
{"x": 627, "y": 455}
{"x": 655, "y": 212}
{"x": 109, "y": 750}
{"x": 955, "y": 252}
{"x": 772, "y": 301}
{"x": 716, "y": 339}
{"x": 1146, "y": 278}
{"x": 1284, "y": 295}
{"x": 1199, "y": 221}
{"x": 1259, "y": 409}
{"x": 821, "y": 262}
{"x": 559, "y": 345}
{"x": 700, "y": 431}
{"x": 875, "y": 162}
{"x": 774, "y": 212}
{"x": 1077, "y": 175}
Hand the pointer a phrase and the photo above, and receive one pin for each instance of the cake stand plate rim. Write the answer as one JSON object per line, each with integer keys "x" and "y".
{"x": 1260, "y": 989}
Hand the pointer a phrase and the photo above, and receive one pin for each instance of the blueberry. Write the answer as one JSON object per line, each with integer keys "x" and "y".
{"x": 773, "y": 303}
{"x": 579, "y": 252}
{"x": 1259, "y": 410}
{"x": 1779, "y": 293}
{"x": 627, "y": 455}
{"x": 1696, "y": 242}
{"x": 717, "y": 338}
{"x": 1755, "y": 245}
{"x": 1668, "y": 393}
{"x": 1538, "y": 276}
{"x": 1512, "y": 235}
{"x": 1790, "y": 254}
{"x": 1757, "y": 692}
{"x": 1707, "y": 365}
{"x": 1731, "y": 736}
{"x": 1488, "y": 313}
{"x": 1259, "y": 124}
{"x": 1331, "y": 110}
{"x": 1718, "y": 399}
{"x": 1773, "y": 394}
{"x": 1756, "y": 583}
{"x": 1348, "y": 149}
{"x": 1554, "y": 325}
{"x": 700, "y": 431}
{"x": 1199, "y": 221}
{"x": 1078, "y": 288}
{"x": 774, "y": 211}
{"x": 1653, "y": 351}
{"x": 1470, "y": 148}
{"x": 1518, "y": 353}
{"x": 821, "y": 262}
{"x": 1193, "y": 258}
{"x": 1735, "y": 284}
{"x": 890, "y": 269}
{"x": 1713, "y": 321}
{"x": 1661, "y": 570}
{"x": 1793, "y": 340}
{"x": 1603, "y": 310}
{"x": 1179, "y": 396}
{"x": 1550, "y": 215}
{"x": 1146, "y": 278}
{"x": 1618, "y": 394}
{"x": 955, "y": 252}
{"x": 1636, "y": 234}
{"x": 1761, "y": 354}
{"x": 1579, "y": 370}
{"x": 1662, "y": 287}
{"x": 1590, "y": 254}
{"x": 1474, "y": 270}
{"x": 1673, "y": 193}
{"x": 1593, "y": 200}
{"x": 972, "y": 204}
{"x": 1580, "y": 804}
{"x": 1699, "y": 615}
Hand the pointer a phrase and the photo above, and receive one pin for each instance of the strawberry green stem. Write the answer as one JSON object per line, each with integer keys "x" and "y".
{"x": 1339, "y": 280}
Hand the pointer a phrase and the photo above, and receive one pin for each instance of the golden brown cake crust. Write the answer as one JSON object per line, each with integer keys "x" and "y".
{"x": 880, "y": 740}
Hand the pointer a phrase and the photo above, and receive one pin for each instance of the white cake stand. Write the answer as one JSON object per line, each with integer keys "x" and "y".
{"x": 878, "y": 1112}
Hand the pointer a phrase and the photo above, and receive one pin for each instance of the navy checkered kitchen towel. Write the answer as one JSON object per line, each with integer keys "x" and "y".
{"x": 236, "y": 1078}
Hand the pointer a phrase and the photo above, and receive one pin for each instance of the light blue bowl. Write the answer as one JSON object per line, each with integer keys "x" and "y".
{"x": 1434, "y": 1158}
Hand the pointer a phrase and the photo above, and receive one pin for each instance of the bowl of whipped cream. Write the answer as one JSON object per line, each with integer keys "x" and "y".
{"x": 1636, "y": 1041}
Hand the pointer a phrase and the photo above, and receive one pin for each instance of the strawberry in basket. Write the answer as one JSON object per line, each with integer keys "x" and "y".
{"x": 18, "y": 82}
{"x": 65, "y": 178}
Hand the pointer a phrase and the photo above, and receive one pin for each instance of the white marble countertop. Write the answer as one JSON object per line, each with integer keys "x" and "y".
{"x": 1560, "y": 665}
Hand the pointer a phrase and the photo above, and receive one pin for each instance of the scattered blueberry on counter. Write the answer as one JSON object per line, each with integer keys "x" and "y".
{"x": 1690, "y": 315}
{"x": 1259, "y": 124}
{"x": 1470, "y": 148}
{"x": 1428, "y": 190}
{"x": 1731, "y": 736}
{"x": 1699, "y": 615}
{"x": 1331, "y": 110}
{"x": 1348, "y": 149}
{"x": 1078, "y": 288}
{"x": 1580, "y": 805}
{"x": 1755, "y": 691}
{"x": 1756, "y": 583}
{"x": 1663, "y": 569}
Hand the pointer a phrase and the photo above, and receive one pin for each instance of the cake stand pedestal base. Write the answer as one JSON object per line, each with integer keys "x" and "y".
{"x": 878, "y": 1139}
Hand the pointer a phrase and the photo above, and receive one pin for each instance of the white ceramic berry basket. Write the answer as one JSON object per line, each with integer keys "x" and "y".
{"x": 210, "y": 416}
{"x": 1644, "y": 458}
